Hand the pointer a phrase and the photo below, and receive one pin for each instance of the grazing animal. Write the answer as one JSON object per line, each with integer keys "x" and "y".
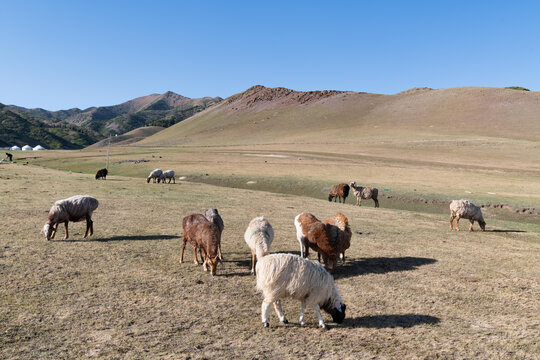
{"x": 339, "y": 227}
{"x": 10, "y": 156}
{"x": 203, "y": 235}
{"x": 467, "y": 210}
{"x": 154, "y": 175}
{"x": 75, "y": 208}
{"x": 339, "y": 191}
{"x": 366, "y": 193}
{"x": 168, "y": 174}
{"x": 213, "y": 216}
{"x": 321, "y": 237}
{"x": 286, "y": 275}
{"x": 258, "y": 236}
{"x": 188, "y": 225}
{"x": 102, "y": 173}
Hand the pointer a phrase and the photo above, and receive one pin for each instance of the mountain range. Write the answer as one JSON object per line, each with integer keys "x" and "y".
{"x": 76, "y": 128}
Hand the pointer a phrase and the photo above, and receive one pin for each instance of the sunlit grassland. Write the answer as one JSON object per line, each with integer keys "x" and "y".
{"x": 413, "y": 288}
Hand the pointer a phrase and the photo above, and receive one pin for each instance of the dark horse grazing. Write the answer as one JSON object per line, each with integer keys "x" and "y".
{"x": 102, "y": 174}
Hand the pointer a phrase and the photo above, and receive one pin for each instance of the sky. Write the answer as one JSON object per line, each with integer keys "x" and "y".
{"x": 64, "y": 54}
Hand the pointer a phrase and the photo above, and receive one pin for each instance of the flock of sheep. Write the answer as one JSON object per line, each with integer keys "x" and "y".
{"x": 278, "y": 275}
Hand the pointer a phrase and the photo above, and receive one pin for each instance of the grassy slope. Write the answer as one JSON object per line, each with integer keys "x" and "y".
{"x": 349, "y": 117}
{"x": 413, "y": 289}
{"x": 129, "y": 137}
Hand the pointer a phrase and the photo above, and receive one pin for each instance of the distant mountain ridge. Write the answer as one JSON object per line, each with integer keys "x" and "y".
{"x": 263, "y": 115}
{"x": 76, "y": 128}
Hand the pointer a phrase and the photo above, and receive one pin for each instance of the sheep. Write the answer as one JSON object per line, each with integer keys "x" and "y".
{"x": 258, "y": 236}
{"x": 303, "y": 223}
{"x": 188, "y": 225}
{"x": 168, "y": 174}
{"x": 154, "y": 175}
{"x": 321, "y": 237}
{"x": 203, "y": 235}
{"x": 75, "y": 208}
{"x": 10, "y": 156}
{"x": 102, "y": 173}
{"x": 213, "y": 216}
{"x": 338, "y": 192}
{"x": 287, "y": 275}
{"x": 467, "y": 210}
{"x": 339, "y": 227}
{"x": 367, "y": 193}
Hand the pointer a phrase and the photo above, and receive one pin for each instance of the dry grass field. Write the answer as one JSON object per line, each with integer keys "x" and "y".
{"x": 413, "y": 288}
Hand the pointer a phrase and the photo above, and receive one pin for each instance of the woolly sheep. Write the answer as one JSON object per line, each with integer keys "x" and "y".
{"x": 258, "y": 236}
{"x": 213, "y": 216}
{"x": 203, "y": 235}
{"x": 154, "y": 175}
{"x": 467, "y": 210}
{"x": 287, "y": 275}
{"x": 75, "y": 208}
{"x": 339, "y": 191}
{"x": 339, "y": 228}
{"x": 168, "y": 174}
{"x": 366, "y": 193}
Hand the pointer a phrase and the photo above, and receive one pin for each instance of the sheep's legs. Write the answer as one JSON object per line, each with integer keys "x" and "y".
{"x": 195, "y": 260}
{"x": 253, "y": 262}
{"x": 376, "y": 203}
{"x": 451, "y": 222}
{"x": 279, "y": 312}
{"x": 342, "y": 256}
{"x": 182, "y": 252}
{"x": 472, "y": 222}
{"x": 302, "y": 309}
{"x": 318, "y": 312}
{"x": 265, "y": 309}
{"x": 89, "y": 227}
{"x": 204, "y": 259}
{"x": 67, "y": 233}
{"x": 54, "y": 230}
{"x": 457, "y": 223}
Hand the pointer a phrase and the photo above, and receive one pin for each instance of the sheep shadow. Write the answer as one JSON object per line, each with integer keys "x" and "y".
{"x": 124, "y": 238}
{"x": 390, "y": 321}
{"x": 507, "y": 231}
{"x": 380, "y": 265}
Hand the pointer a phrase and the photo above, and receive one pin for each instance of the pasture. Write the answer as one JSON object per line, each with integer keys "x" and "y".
{"x": 413, "y": 288}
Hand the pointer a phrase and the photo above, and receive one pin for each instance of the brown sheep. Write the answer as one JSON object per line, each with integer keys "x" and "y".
{"x": 339, "y": 191}
{"x": 202, "y": 235}
{"x": 339, "y": 227}
{"x": 321, "y": 237}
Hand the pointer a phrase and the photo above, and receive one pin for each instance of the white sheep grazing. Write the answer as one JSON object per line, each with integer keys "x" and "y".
{"x": 467, "y": 210}
{"x": 287, "y": 275}
{"x": 75, "y": 208}
{"x": 168, "y": 174}
{"x": 258, "y": 236}
{"x": 154, "y": 175}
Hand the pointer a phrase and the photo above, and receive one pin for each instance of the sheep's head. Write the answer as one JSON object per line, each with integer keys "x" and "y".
{"x": 212, "y": 262}
{"x": 330, "y": 197}
{"x": 338, "y": 313}
{"x": 482, "y": 224}
{"x": 148, "y": 179}
{"x": 47, "y": 231}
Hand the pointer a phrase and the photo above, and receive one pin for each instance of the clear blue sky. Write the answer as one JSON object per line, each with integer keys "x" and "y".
{"x": 63, "y": 54}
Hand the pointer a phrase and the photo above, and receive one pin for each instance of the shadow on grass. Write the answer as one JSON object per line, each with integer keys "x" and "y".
{"x": 380, "y": 265}
{"x": 508, "y": 231}
{"x": 390, "y": 321}
{"x": 124, "y": 238}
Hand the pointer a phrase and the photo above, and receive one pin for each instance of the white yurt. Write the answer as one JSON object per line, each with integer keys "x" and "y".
{"x": 39, "y": 147}
{"x": 14, "y": 147}
{"x": 27, "y": 148}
